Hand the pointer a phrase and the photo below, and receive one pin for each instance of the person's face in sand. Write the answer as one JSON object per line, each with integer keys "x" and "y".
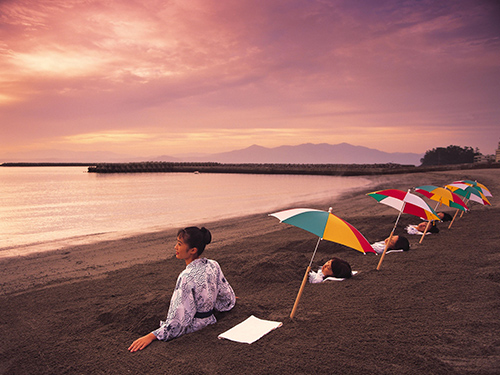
{"x": 394, "y": 239}
{"x": 421, "y": 226}
{"x": 326, "y": 270}
{"x": 183, "y": 251}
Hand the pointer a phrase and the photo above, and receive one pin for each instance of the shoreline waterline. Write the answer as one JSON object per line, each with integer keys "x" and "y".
{"x": 338, "y": 202}
{"x": 133, "y": 211}
{"x": 63, "y": 244}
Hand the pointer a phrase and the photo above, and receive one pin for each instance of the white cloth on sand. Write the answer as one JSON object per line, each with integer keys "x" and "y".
{"x": 250, "y": 330}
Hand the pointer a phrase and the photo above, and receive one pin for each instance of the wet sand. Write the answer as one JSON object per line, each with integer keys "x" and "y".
{"x": 431, "y": 310}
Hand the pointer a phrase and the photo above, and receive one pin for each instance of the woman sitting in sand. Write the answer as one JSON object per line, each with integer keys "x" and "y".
{"x": 200, "y": 290}
{"x": 335, "y": 267}
{"x": 397, "y": 243}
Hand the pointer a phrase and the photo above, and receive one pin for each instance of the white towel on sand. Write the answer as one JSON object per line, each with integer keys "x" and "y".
{"x": 250, "y": 330}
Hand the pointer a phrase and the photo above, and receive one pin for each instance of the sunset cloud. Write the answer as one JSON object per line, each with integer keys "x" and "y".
{"x": 124, "y": 75}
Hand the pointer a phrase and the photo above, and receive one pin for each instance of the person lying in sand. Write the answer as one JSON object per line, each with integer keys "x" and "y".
{"x": 200, "y": 290}
{"x": 335, "y": 267}
{"x": 420, "y": 228}
{"x": 397, "y": 243}
{"x": 445, "y": 216}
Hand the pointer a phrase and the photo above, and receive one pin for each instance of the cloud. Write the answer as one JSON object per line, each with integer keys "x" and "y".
{"x": 73, "y": 68}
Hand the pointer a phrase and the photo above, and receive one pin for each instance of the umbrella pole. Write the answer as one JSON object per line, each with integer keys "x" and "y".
{"x": 304, "y": 280}
{"x": 385, "y": 249}
{"x": 390, "y": 237}
{"x": 300, "y": 292}
{"x": 462, "y": 214}
{"x": 428, "y": 223}
{"x": 425, "y": 232}
{"x": 449, "y": 226}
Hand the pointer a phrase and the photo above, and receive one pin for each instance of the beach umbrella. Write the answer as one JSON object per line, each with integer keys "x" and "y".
{"x": 326, "y": 226}
{"x": 483, "y": 189}
{"x": 469, "y": 192}
{"x": 442, "y": 196}
{"x": 404, "y": 202}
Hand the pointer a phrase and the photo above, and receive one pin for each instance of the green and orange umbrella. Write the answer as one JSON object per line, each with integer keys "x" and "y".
{"x": 326, "y": 226}
{"x": 483, "y": 189}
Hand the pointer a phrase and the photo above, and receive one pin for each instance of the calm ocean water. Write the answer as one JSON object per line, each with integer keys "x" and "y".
{"x": 47, "y": 208}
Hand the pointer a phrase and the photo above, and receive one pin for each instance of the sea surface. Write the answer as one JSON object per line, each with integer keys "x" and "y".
{"x": 48, "y": 208}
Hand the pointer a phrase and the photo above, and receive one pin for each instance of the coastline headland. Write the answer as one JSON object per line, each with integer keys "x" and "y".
{"x": 303, "y": 169}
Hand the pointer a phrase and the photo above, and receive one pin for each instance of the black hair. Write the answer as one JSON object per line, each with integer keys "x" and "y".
{"x": 446, "y": 217}
{"x": 433, "y": 228}
{"x": 341, "y": 269}
{"x": 402, "y": 243}
{"x": 196, "y": 237}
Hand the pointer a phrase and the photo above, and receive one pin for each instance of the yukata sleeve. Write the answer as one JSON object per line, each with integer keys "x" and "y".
{"x": 315, "y": 277}
{"x": 180, "y": 313}
{"x": 226, "y": 298}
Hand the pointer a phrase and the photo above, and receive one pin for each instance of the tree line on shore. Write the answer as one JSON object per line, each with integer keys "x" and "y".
{"x": 449, "y": 155}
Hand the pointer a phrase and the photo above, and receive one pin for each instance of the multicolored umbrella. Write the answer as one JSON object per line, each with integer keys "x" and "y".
{"x": 442, "y": 196}
{"x": 483, "y": 189}
{"x": 469, "y": 192}
{"x": 326, "y": 226}
{"x": 404, "y": 202}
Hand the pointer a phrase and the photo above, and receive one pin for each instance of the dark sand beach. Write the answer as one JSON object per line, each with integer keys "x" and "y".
{"x": 432, "y": 310}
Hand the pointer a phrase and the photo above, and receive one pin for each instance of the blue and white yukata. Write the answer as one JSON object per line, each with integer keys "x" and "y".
{"x": 201, "y": 289}
{"x": 379, "y": 248}
{"x": 316, "y": 277}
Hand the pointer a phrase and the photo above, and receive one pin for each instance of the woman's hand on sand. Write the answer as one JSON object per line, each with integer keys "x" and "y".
{"x": 142, "y": 342}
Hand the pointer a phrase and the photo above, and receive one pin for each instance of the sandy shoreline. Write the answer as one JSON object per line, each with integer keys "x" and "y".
{"x": 433, "y": 309}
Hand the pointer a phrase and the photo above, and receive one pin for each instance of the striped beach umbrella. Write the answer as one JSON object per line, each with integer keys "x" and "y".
{"x": 483, "y": 189}
{"x": 404, "y": 202}
{"x": 442, "y": 196}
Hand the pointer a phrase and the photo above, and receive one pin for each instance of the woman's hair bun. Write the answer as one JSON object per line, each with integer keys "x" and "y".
{"x": 207, "y": 236}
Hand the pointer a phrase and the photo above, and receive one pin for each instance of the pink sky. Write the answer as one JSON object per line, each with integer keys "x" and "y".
{"x": 149, "y": 78}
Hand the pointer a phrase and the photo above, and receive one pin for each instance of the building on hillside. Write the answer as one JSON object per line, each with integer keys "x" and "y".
{"x": 485, "y": 158}
{"x": 497, "y": 156}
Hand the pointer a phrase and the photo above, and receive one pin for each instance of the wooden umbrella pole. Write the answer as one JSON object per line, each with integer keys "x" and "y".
{"x": 462, "y": 214}
{"x": 390, "y": 237}
{"x": 425, "y": 232}
{"x": 449, "y": 226}
{"x": 428, "y": 223}
{"x": 304, "y": 281}
{"x": 385, "y": 250}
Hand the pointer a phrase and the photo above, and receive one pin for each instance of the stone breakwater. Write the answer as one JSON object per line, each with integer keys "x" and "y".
{"x": 304, "y": 169}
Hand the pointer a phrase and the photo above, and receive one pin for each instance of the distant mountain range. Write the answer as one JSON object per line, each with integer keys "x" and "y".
{"x": 307, "y": 153}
